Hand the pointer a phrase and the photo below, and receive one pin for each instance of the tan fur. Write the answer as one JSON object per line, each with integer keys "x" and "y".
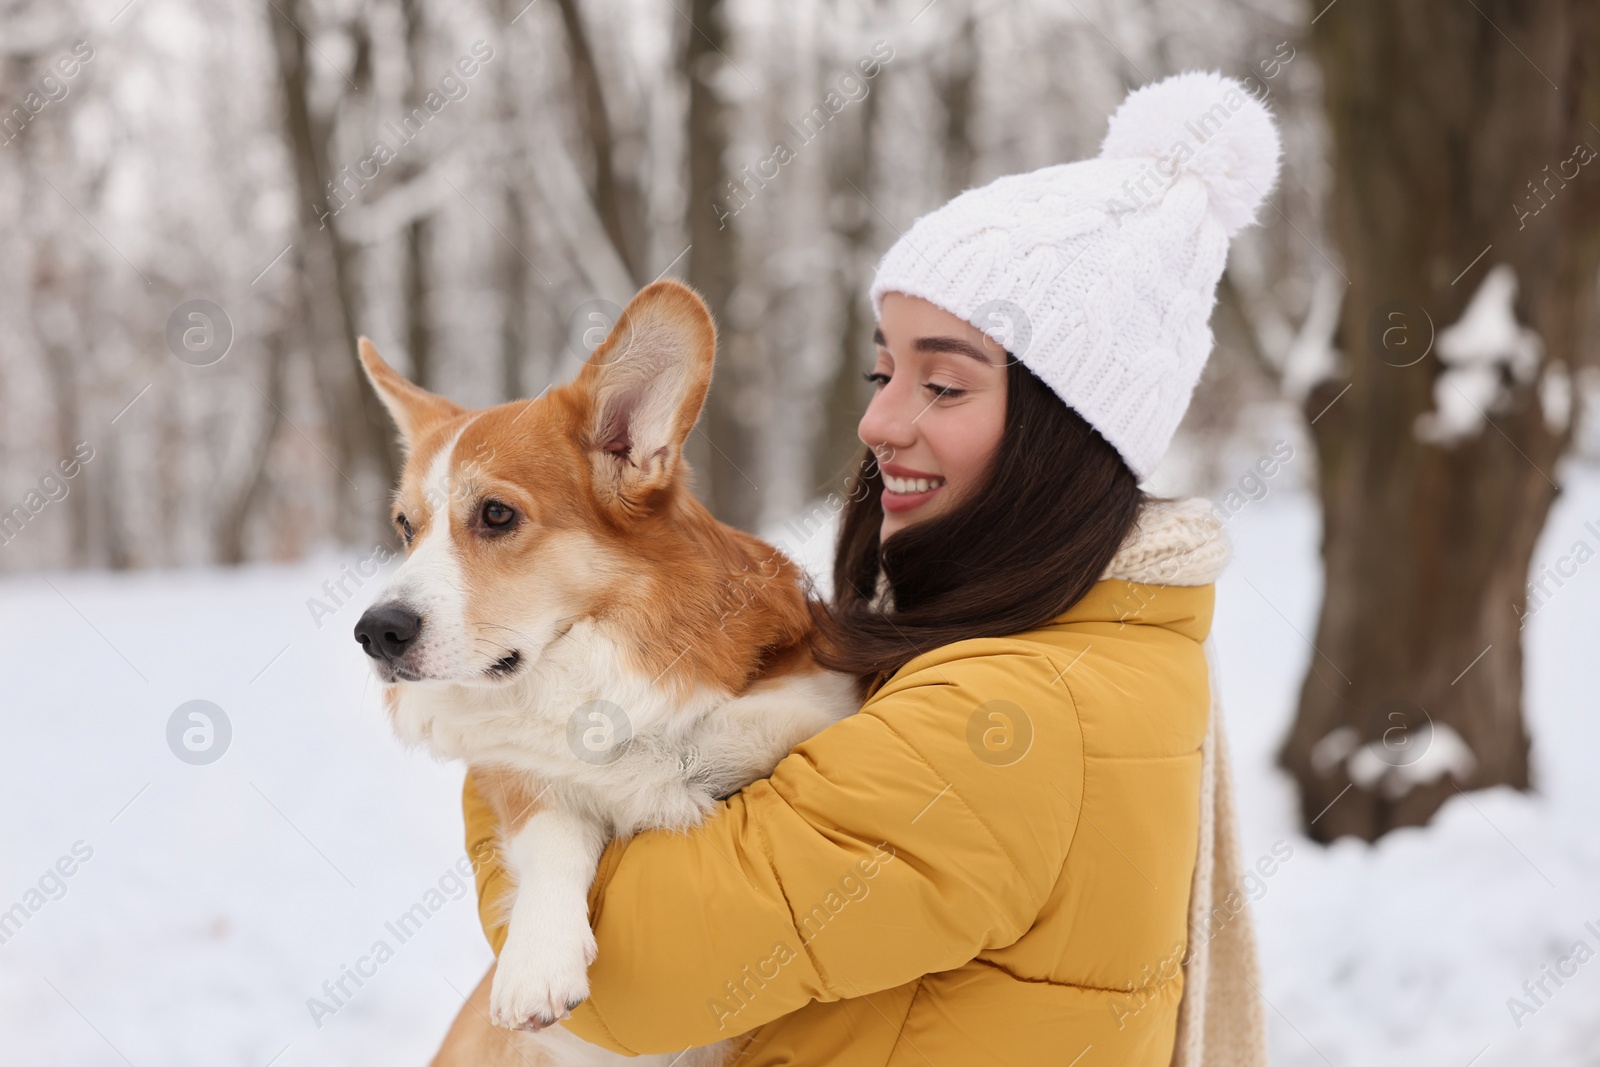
{"x": 473, "y": 1041}
{"x": 740, "y": 597}
{"x": 514, "y": 797}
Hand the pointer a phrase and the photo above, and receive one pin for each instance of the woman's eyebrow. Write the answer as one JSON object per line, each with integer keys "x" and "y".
{"x": 951, "y": 344}
{"x": 939, "y": 344}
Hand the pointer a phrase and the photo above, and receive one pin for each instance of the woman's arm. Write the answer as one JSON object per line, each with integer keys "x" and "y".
{"x": 901, "y": 841}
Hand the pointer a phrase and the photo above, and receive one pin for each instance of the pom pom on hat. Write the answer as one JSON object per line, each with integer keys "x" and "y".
{"x": 1211, "y": 127}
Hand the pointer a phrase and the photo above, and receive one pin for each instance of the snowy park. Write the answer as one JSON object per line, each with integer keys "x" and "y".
{"x": 977, "y": 296}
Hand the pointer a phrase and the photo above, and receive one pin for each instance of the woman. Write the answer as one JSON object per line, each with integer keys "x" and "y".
{"x": 1008, "y": 855}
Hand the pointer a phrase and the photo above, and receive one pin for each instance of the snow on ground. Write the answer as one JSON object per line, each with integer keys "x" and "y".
{"x": 208, "y": 902}
{"x": 1406, "y": 953}
{"x": 217, "y": 898}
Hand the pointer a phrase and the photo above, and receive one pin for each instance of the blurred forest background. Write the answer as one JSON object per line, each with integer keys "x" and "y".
{"x": 205, "y": 204}
{"x": 229, "y": 153}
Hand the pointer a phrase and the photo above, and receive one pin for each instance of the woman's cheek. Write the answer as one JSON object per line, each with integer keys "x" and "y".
{"x": 969, "y": 454}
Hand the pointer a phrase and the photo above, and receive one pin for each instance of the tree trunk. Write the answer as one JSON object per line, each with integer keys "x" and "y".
{"x": 729, "y": 447}
{"x": 419, "y": 325}
{"x": 236, "y": 513}
{"x": 1440, "y": 126}
{"x": 617, "y": 198}
{"x": 419, "y": 234}
{"x": 851, "y": 164}
{"x": 325, "y": 266}
{"x": 957, "y": 85}
{"x": 513, "y": 278}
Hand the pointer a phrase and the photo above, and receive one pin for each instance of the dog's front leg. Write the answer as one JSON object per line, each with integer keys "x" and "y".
{"x": 543, "y": 970}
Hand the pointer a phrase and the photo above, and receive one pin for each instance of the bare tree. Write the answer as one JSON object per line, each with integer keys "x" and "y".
{"x": 247, "y": 497}
{"x": 956, "y": 85}
{"x": 418, "y": 239}
{"x": 326, "y": 266}
{"x": 712, "y": 269}
{"x": 615, "y": 192}
{"x": 852, "y": 158}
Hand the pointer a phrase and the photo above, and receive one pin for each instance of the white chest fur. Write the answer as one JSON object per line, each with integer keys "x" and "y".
{"x": 605, "y": 741}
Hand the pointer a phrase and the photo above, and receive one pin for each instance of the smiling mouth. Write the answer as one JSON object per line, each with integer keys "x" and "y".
{"x": 904, "y": 494}
{"x": 505, "y": 666}
{"x": 910, "y": 486}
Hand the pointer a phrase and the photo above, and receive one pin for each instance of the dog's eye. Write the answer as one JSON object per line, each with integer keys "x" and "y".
{"x": 405, "y": 527}
{"x": 497, "y": 515}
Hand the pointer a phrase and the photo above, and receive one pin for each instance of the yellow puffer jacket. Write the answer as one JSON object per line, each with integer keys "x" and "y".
{"x": 989, "y": 864}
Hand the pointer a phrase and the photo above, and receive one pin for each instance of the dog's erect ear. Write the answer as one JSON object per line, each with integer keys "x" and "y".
{"x": 413, "y": 408}
{"x": 646, "y": 385}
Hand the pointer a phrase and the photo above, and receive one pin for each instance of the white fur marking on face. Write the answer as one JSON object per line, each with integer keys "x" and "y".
{"x": 430, "y": 581}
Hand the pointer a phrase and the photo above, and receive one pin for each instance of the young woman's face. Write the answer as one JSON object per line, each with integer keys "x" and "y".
{"x": 936, "y": 419}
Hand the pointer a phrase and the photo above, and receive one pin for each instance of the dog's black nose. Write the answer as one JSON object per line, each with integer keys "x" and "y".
{"x": 387, "y": 630}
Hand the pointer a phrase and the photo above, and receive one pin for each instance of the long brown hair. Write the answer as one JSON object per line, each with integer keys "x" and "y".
{"x": 1027, "y": 544}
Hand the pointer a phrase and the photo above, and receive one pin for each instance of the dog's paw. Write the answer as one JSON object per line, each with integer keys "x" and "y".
{"x": 540, "y": 979}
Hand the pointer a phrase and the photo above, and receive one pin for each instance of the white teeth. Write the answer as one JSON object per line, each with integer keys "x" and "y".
{"x": 911, "y": 485}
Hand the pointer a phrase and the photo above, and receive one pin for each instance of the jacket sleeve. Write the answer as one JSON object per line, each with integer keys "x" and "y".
{"x": 488, "y": 872}
{"x": 901, "y": 841}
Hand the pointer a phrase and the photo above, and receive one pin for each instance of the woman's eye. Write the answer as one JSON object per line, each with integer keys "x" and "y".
{"x": 940, "y": 392}
{"x": 497, "y": 514}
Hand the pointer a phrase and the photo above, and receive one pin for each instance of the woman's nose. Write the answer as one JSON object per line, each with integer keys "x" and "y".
{"x": 886, "y": 425}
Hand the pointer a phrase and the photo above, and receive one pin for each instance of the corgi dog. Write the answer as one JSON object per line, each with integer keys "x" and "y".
{"x": 571, "y": 622}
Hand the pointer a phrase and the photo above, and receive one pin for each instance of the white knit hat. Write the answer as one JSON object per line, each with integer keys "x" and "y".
{"x": 1100, "y": 275}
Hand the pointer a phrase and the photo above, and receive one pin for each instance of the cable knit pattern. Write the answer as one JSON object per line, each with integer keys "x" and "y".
{"x": 1100, "y": 275}
{"x": 1173, "y": 542}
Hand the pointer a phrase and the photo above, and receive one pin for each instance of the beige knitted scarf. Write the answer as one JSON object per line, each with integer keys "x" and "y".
{"x": 1220, "y": 1022}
